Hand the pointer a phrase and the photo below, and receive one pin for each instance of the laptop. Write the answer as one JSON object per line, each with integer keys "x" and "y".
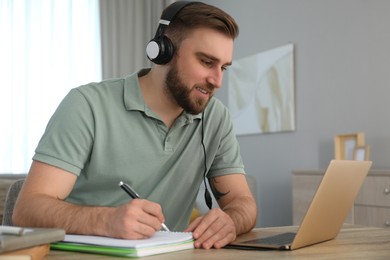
{"x": 327, "y": 212}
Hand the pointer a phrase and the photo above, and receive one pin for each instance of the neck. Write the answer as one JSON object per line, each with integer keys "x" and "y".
{"x": 156, "y": 97}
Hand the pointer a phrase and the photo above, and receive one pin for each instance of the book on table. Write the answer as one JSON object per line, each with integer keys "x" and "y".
{"x": 161, "y": 242}
{"x": 28, "y": 241}
{"x": 30, "y": 253}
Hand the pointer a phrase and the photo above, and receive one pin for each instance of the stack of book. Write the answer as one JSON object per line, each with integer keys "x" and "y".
{"x": 28, "y": 243}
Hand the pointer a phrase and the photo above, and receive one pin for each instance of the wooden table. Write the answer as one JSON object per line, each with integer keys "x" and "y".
{"x": 352, "y": 242}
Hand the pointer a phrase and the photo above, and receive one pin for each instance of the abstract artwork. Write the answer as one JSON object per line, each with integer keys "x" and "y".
{"x": 261, "y": 92}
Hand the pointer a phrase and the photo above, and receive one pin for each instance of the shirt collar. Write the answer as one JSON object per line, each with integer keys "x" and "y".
{"x": 134, "y": 100}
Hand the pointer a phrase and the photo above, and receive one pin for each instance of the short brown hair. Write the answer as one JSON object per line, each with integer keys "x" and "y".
{"x": 200, "y": 15}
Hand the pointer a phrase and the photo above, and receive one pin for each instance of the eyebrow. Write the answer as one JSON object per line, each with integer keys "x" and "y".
{"x": 211, "y": 57}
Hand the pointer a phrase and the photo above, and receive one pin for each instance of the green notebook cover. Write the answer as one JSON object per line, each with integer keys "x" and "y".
{"x": 161, "y": 242}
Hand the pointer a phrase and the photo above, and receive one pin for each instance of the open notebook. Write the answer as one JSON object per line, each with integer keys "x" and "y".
{"x": 160, "y": 242}
{"x": 327, "y": 212}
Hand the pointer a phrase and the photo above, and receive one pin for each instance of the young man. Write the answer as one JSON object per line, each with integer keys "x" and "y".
{"x": 159, "y": 130}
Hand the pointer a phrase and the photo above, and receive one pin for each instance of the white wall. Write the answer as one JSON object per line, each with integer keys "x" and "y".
{"x": 342, "y": 77}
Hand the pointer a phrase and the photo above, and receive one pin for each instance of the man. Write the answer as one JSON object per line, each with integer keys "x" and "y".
{"x": 159, "y": 130}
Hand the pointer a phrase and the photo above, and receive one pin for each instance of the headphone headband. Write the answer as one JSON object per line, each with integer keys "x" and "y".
{"x": 173, "y": 10}
{"x": 160, "y": 49}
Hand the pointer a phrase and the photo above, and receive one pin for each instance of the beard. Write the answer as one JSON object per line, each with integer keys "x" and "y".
{"x": 181, "y": 94}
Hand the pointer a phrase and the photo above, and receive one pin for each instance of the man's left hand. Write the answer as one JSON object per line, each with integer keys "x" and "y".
{"x": 215, "y": 229}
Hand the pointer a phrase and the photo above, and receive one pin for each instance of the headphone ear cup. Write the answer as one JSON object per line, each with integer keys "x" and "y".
{"x": 160, "y": 50}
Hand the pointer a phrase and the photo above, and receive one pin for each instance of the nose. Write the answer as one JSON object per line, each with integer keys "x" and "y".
{"x": 215, "y": 77}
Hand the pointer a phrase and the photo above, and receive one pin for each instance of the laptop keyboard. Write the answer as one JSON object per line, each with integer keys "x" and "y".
{"x": 280, "y": 239}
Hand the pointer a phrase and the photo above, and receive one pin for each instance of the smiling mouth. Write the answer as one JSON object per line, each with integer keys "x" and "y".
{"x": 202, "y": 90}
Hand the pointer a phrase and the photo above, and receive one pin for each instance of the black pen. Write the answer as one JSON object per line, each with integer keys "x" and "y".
{"x": 135, "y": 195}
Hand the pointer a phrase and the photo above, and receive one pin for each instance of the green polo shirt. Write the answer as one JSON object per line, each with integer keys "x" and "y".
{"x": 105, "y": 133}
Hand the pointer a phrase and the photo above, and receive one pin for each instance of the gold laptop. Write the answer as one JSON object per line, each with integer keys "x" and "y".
{"x": 327, "y": 212}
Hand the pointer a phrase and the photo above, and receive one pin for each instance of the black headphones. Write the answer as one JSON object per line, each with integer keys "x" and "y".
{"x": 160, "y": 49}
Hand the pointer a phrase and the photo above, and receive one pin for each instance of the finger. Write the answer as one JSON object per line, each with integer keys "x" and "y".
{"x": 137, "y": 221}
{"x": 219, "y": 242}
{"x": 151, "y": 220}
{"x": 216, "y": 229}
{"x": 153, "y": 209}
{"x": 220, "y": 235}
{"x": 146, "y": 219}
{"x": 213, "y": 233}
{"x": 193, "y": 224}
{"x": 220, "y": 238}
{"x": 143, "y": 231}
{"x": 140, "y": 233}
{"x": 137, "y": 226}
{"x": 205, "y": 223}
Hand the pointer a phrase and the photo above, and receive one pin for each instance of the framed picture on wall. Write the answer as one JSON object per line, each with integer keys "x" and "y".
{"x": 261, "y": 92}
{"x": 346, "y": 144}
{"x": 362, "y": 153}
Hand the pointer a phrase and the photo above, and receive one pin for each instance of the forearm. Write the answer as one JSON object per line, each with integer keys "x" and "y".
{"x": 44, "y": 211}
{"x": 243, "y": 211}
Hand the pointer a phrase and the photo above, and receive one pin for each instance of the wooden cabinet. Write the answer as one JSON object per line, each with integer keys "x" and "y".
{"x": 371, "y": 207}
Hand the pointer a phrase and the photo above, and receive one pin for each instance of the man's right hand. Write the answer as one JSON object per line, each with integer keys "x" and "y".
{"x": 137, "y": 219}
{"x": 41, "y": 203}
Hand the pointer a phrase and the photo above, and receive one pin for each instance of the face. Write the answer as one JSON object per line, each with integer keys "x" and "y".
{"x": 196, "y": 70}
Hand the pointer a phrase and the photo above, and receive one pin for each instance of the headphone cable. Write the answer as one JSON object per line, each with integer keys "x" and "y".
{"x": 207, "y": 196}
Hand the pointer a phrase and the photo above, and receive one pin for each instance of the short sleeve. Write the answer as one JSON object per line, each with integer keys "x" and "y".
{"x": 223, "y": 143}
{"x": 68, "y": 137}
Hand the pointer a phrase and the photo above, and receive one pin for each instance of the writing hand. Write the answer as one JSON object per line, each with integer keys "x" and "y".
{"x": 137, "y": 219}
{"x": 215, "y": 229}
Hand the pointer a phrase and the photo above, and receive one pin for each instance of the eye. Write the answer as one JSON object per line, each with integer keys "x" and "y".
{"x": 207, "y": 62}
